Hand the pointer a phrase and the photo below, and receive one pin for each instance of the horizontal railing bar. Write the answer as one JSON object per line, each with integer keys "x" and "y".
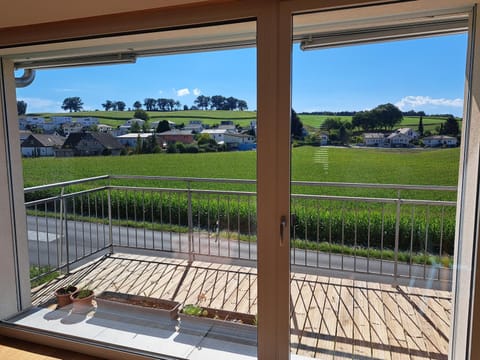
{"x": 185, "y": 179}
{"x": 173, "y": 190}
{"x": 42, "y": 201}
{"x": 376, "y": 186}
{"x": 65, "y": 183}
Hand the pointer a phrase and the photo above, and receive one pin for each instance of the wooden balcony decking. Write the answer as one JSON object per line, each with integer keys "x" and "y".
{"x": 332, "y": 318}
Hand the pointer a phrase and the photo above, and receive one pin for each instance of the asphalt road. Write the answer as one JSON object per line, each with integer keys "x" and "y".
{"x": 47, "y": 246}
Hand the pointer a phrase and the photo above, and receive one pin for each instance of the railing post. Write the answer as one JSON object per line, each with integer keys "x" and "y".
{"x": 190, "y": 225}
{"x": 110, "y": 228}
{"x": 397, "y": 240}
{"x": 64, "y": 204}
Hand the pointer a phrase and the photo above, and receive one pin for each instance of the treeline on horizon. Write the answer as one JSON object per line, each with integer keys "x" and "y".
{"x": 353, "y": 113}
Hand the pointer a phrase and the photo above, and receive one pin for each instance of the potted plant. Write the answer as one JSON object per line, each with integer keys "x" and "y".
{"x": 138, "y": 305}
{"x": 222, "y": 323}
{"x": 82, "y": 300}
{"x": 445, "y": 272}
{"x": 63, "y": 295}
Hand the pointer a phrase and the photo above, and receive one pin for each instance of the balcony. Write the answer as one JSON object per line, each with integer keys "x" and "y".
{"x": 366, "y": 280}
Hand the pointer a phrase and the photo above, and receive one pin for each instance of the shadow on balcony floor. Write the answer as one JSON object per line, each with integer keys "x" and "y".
{"x": 331, "y": 318}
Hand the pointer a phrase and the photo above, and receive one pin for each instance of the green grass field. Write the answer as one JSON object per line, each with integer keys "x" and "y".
{"x": 384, "y": 166}
{"x": 429, "y": 123}
{"x": 242, "y": 118}
{"x": 116, "y": 118}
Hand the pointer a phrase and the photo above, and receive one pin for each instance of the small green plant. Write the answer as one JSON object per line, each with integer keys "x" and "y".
{"x": 83, "y": 293}
{"x": 194, "y": 310}
{"x": 69, "y": 289}
{"x": 446, "y": 261}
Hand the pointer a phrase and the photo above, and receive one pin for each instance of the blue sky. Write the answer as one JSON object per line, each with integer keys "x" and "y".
{"x": 422, "y": 74}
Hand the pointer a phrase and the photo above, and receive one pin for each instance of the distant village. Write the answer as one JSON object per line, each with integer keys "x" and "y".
{"x": 65, "y": 136}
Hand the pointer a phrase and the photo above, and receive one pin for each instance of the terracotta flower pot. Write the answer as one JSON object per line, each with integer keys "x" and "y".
{"x": 82, "y": 300}
{"x": 63, "y": 295}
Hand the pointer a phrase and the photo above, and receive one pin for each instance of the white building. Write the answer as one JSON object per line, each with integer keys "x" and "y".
{"x": 132, "y": 138}
{"x": 60, "y": 120}
{"x": 440, "y": 140}
{"x": 374, "y": 139}
{"x": 195, "y": 126}
{"x": 398, "y": 139}
{"x": 104, "y": 128}
{"x": 217, "y": 134}
{"x": 87, "y": 121}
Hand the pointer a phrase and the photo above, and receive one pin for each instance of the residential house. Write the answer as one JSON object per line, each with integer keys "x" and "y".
{"x": 60, "y": 120}
{"x": 323, "y": 138}
{"x": 71, "y": 128}
{"x": 397, "y": 139}
{"x": 227, "y": 125}
{"x": 24, "y": 134}
{"x": 412, "y": 134}
{"x": 41, "y": 145}
{"x": 130, "y": 122}
{"x": 87, "y": 121}
{"x": 173, "y": 136}
{"x": 88, "y": 144}
{"x": 239, "y": 141}
{"x": 217, "y": 134}
{"x": 440, "y": 141}
{"x": 374, "y": 139}
{"x": 104, "y": 128}
{"x": 194, "y": 125}
{"x": 131, "y": 139}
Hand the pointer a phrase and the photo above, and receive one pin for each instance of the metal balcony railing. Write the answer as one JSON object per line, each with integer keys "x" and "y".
{"x": 392, "y": 239}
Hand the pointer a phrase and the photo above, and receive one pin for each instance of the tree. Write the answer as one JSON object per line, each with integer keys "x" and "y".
{"x": 108, "y": 105}
{"x": 185, "y": 107}
{"x": 388, "y": 115}
{"x": 139, "y": 144}
{"x": 296, "y": 126}
{"x": 217, "y": 102}
{"x": 450, "y": 126}
{"x": 72, "y": 104}
{"x": 365, "y": 120}
{"x": 120, "y": 105}
{"x": 231, "y": 103}
{"x": 420, "y": 126}
{"x": 137, "y": 105}
{"x": 202, "y": 101}
{"x": 163, "y": 126}
{"x": 21, "y": 107}
{"x": 242, "y": 105}
{"x": 141, "y": 114}
{"x": 136, "y": 128}
{"x": 150, "y": 104}
{"x": 331, "y": 123}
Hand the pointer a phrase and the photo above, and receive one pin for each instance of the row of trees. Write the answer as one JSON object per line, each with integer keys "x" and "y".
{"x": 219, "y": 102}
{"x": 216, "y": 102}
{"x": 385, "y": 116}
{"x": 114, "y": 105}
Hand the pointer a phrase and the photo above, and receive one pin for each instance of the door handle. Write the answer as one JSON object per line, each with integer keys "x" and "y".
{"x": 283, "y": 225}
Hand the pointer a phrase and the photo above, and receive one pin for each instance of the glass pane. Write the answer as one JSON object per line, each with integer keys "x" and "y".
{"x": 375, "y": 145}
{"x": 148, "y": 215}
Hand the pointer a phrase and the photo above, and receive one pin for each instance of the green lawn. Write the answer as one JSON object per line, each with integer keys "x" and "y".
{"x": 115, "y": 118}
{"x": 384, "y": 166}
{"x": 429, "y": 123}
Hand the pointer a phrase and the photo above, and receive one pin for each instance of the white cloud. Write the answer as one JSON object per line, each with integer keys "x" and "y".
{"x": 183, "y": 92}
{"x": 67, "y": 90}
{"x": 197, "y": 91}
{"x": 413, "y": 102}
{"x": 41, "y": 105}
